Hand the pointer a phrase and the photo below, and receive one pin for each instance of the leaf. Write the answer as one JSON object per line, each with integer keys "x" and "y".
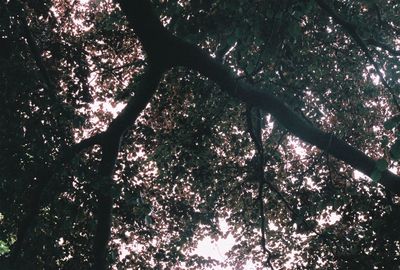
{"x": 392, "y": 122}
{"x": 381, "y": 165}
{"x": 4, "y": 248}
{"x": 277, "y": 156}
{"x": 78, "y": 121}
{"x": 376, "y": 176}
{"x": 384, "y": 141}
{"x": 395, "y": 150}
{"x": 371, "y": 91}
{"x": 148, "y": 220}
{"x": 294, "y": 30}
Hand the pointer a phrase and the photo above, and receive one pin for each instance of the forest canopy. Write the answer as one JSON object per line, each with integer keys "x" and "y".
{"x": 131, "y": 130}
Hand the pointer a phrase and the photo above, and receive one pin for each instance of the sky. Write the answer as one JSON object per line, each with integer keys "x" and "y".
{"x": 217, "y": 249}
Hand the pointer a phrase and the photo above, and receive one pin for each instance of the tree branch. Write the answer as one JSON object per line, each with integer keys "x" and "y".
{"x": 104, "y": 201}
{"x": 136, "y": 104}
{"x": 35, "y": 192}
{"x": 254, "y": 128}
{"x": 190, "y": 56}
{"x": 156, "y": 40}
{"x": 110, "y": 146}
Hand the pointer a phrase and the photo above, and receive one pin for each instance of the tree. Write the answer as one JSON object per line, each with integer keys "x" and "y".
{"x": 280, "y": 117}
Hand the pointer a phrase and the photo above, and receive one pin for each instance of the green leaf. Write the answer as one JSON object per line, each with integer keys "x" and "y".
{"x": 277, "y": 156}
{"x": 371, "y": 91}
{"x": 376, "y": 176}
{"x": 231, "y": 40}
{"x": 294, "y": 30}
{"x": 384, "y": 141}
{"x": 3, "y": 248}
{"x": 392, "y": 122}
{"x": 395, "y": 150}
{"x": 381, "y": 165}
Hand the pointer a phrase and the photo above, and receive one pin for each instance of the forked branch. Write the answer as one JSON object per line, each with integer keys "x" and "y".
{"x": 188, "y": 55}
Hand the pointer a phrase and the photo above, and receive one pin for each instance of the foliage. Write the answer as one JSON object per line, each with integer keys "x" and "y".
{"x": 188, "y": 161}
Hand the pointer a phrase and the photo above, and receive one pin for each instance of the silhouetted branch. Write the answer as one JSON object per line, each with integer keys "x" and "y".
{"x": 185, "y": 54}
{"x": 104, "y": 201}
{"x": 35, "y": 192}
{"x": 254, "y": 128}
{"x": 110, "y": 147}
